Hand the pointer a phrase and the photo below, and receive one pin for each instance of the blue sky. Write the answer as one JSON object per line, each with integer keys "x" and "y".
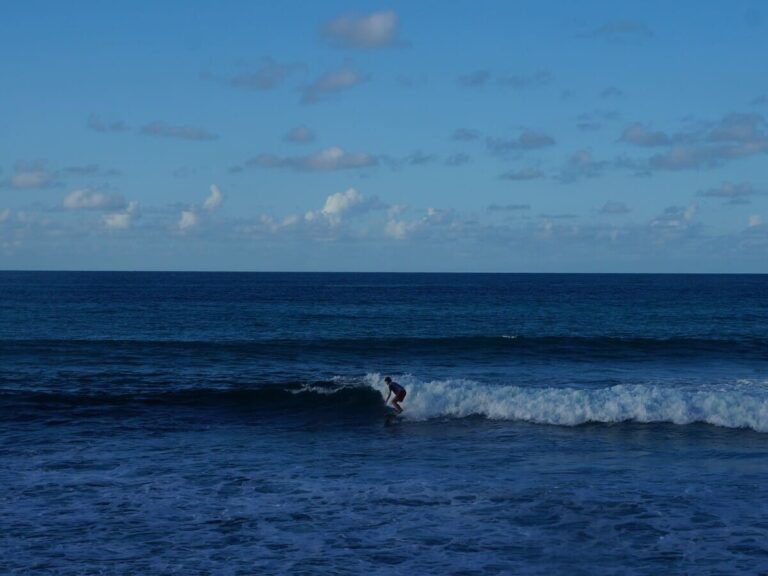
{"x": 406, "y": 136}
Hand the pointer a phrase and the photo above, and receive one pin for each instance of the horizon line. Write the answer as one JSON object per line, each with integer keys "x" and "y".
{"x": 154, "y": 271}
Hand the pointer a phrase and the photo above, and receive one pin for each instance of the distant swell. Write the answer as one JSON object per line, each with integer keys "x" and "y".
{"x": 503, "y": 345}
{"x": 287, "y": 396}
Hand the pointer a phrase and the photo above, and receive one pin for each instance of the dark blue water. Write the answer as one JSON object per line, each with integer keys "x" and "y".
{"x": 235, "y": 424}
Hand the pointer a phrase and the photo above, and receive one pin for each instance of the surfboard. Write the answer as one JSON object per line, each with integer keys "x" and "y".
{"x": 391, "y": 416}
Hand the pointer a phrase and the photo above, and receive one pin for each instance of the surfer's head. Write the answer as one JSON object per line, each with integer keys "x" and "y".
{"x": 387, "y": 379}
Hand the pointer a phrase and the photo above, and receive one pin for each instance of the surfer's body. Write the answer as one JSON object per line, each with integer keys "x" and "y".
{"x": 398, "y": 391}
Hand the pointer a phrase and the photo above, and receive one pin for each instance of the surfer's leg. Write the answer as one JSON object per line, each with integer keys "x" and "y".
{"x": 397, "y": 406}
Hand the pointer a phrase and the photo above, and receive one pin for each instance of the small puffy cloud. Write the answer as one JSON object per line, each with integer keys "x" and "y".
{"x": 332, "y": 82}
{"x": 434, "y": 219}
{"x": 465, "y": 134}
{"x": 523, "y": 174}
{"x": 121, "y": 220}
{"x": 419, "y": 158}
{"x": 734, "y": 136}
{"x": 325, "y": 160}
{"x": 300, "y": 135}
{"x": 684, "y": 157}
{"x": 476, "y": 79}
{"x": 214, "y": 199}
{"x": 592, "y": 121}
{"x": 362, "y": 32}
{"x": 88, "y": 170}
{"x": 611, "y": 92}
{"x": 745, "y": 128}
{"x": 675, "y": 217}
{"x": 337, "y": 204}
{"x": 588, "y": 125}
{"x": 527, "y": 140}
{"x": 581, "y": 164}
{"x": 31, "y": 175}
{"x": 755, "y": 220}
{"x": 399, "y": 229}
{"x": 188, "y": 220}
{"x": 267, "y": 77}
{"x": 521, "y": 81}
{"x": 341, "y": 204}
{"x": 639, "y": 135}
{"x": 621, "y": 31}
{"x": 480, "y": 78}
{"x": 733, "y": 193}
{"x": 163, "y": 130}
{"x": 508, "y": 207}
{"x": 5, "y": 215}
{"x": 100, "y": 124}
{"x": 88, "y": 199}
{"x": 194, "y": 216}
{"x": 614, "y": 208}
{"x": 457, "y": 159}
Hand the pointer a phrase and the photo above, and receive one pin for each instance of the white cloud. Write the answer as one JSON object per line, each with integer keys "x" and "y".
{"x": 374, "y": 30}
{"x": 755, "y": 220}
{"x": 614, "y": 208}
{"x": 639, "y": 135}
{"x": 434, "y": 219}
{"x": 300, "y": 135}
{"x": 99, "y": 124}
{"x": 333, "y": 158}
{"x": 399, "y": 229}
{"x": 733, "y": 193}
{"x": 30, "y": 175}
{"x": 214, "y": 199}
{"x": 476, "y": 79}
{"x": 188, "y": 220}
{"x": 267, "y": 77}
{"x": 5, "y": 215}
{"x": 733, "y": 136}
{"x": 87, "y": 199}
{"x": 527, "y": 140}
{"x": 196, "y": 215}
{"x": 163, "y": 130}
{"x": 121, "y": 220}
{"x": 340, "y": 204}
{"x": 621, "y": 31}
{"x": 581, "y": 164}
{"x": 523, "y": 174}
{"x": 343, "y": 78}
{"x": 675, "y": 217}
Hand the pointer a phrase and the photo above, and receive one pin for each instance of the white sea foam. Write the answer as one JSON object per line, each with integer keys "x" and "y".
{"x": 742, "y": 404}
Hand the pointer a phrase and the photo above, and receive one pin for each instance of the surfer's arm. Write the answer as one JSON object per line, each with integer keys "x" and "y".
{"x": 388, "y": 395}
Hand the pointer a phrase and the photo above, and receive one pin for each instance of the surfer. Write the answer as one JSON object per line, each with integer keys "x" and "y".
{"x": 398, "y": 391}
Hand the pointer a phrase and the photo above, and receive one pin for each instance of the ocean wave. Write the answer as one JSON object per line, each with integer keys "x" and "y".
{"x": 743, "y": 404}
{"x": 502, "y": 345}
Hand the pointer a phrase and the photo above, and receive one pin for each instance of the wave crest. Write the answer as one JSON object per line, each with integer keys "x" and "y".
{"x": 741, "y": 405}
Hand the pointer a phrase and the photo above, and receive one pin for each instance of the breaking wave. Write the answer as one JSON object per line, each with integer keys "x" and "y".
{"x": 743, "y": 404}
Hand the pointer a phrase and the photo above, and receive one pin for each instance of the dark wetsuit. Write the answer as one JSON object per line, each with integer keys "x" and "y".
{"x": 397, "y": 390}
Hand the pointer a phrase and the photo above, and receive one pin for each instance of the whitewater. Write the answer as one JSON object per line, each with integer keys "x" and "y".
{"x": 741, "y": 404}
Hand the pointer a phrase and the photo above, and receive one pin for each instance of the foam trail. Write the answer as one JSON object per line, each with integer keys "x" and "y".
{"x": 741, "y": 405}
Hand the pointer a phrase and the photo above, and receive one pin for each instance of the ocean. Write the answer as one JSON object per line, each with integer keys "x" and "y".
{"x": 234, "y": 423}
